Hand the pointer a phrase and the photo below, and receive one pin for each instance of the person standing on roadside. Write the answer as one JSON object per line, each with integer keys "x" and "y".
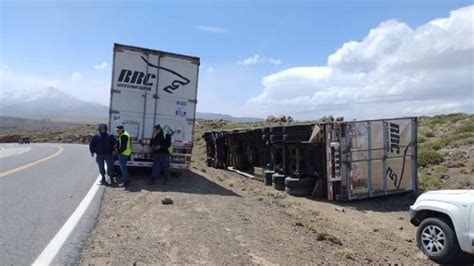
{"x": 124, "y": 150}
{"x": 161, "y": 148}
{"x": 102, "y": 144}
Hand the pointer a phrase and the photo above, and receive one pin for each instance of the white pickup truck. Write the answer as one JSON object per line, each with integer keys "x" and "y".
{"x": 445, "y": 221}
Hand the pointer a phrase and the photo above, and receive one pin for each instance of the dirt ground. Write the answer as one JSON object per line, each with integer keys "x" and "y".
{"x": 219, "y": 217}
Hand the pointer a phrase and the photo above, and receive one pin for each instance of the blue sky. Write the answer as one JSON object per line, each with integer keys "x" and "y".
{"x": 52, "y": 40}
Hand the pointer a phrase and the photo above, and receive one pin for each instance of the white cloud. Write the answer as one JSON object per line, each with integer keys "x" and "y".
{"x": 102, "y": 66}
{"x": 211, "y": 29}
{"x": 76, "y": 76}
{"x": 258, "y": 59}
{"x": 274, "y": 61}
{"x": 252, "y": 60}
{"x": 395, "y": 70}
{"x": 210, "y": 69}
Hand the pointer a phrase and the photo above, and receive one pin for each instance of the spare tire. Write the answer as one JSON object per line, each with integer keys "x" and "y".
{"x": 299, "y": 182}
{"x": 299, "y": 192}
{"x": 278, "y": 178}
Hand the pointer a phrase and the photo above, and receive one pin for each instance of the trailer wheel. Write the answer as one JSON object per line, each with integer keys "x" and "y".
{"x": 276, "y": 129}
{"x": 278, "y": 178}
{"x": 299, "y": 182}
{"x": 296, "y": 137}
{"x": 267, "y": 179}
{"x": 299, "y": 129}
{"x": 299, "y": 192}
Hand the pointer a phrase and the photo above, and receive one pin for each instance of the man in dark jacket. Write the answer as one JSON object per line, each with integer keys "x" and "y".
{"x": 102, "y": 144}
{"x": 161, "y": 148}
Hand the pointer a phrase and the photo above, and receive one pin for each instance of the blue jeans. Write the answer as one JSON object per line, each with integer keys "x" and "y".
{"x": 161, "y": 164}
{"x": 109, "y": 161}
{"x": 123, "y": 167}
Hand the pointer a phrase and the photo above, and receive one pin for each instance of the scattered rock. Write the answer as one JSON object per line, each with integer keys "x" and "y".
{"x": 340, "y": 209}
{"x": 376, "y": 229}
{"x": 299, "y": 224}
{"x": 167, "y": 201}
{"x": 400, "y": 228}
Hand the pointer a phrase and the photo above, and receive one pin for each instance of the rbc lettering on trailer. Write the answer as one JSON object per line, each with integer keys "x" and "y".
{"x": 393, "y": 134}
{"x": 394, "y": 138}
{"x": 135, "y": 80}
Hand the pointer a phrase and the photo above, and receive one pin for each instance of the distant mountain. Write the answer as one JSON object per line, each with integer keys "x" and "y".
{"x": 49, "y": 102}
{"x": 53, "y": 103}
{"x": 212, "y": 116}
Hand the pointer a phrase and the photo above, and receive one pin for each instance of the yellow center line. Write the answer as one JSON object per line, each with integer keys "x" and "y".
{"x": 23, "y": 167}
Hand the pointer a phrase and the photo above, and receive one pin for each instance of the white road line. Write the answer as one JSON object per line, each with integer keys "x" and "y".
{"x": 49, "y": 253}
{"x": 4, "y": 153}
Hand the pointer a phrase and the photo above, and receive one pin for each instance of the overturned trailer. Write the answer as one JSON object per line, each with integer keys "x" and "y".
{"x": 342, "y": 160}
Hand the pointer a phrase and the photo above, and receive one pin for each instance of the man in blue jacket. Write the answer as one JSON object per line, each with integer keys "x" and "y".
{"x": 102, "y": 144}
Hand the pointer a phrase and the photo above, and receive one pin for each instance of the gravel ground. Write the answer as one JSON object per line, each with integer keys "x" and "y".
{"x": 219, "y": 217}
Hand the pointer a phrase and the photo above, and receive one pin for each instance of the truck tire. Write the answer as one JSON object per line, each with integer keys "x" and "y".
{"x": 299, "y": 182}
{"x": 437, "y": 240}
{"x": 299, "y": 129}
{"x": 277, "y": 129}
{"x": 296, "y": 137}
{"x": 267, "y": 178}
{"x": 276, "y": 137}
{"x": 278, "y": 178}
{"x": 299, "y": 192}
{"x": 279, "y": 186}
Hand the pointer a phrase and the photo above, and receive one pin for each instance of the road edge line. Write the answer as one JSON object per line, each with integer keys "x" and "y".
{"x": 52, "y": 249}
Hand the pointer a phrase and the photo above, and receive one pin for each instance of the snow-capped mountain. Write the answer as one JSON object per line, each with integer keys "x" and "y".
{"x": 48, "y": 102}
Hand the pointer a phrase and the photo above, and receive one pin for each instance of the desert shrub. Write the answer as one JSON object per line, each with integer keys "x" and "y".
{"x": 429, "y": 134}
{"x": 465, "y": 128}
{"x": 435, "y": 144}
{"x": 429, "y": 182}
{"x": 440, "y": 170}
{"x": 428, "y": 156}
{"x": 421, "y": 139}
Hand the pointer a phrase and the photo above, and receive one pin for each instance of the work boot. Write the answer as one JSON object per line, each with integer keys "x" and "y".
{"x": 125, "y": 184}
{"x": 103, "y": 181}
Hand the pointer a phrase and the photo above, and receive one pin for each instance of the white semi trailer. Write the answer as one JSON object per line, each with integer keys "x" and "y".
{"x": 152, "y": 87}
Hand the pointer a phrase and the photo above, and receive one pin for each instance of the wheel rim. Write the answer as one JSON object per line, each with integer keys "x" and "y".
{"x": 433, "y": 239}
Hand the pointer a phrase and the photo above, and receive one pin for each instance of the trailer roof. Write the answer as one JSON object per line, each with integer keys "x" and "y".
{"x": 152, "y": 51}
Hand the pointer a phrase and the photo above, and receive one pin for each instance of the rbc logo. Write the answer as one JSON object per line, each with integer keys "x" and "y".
{"x": 136, "y": 77}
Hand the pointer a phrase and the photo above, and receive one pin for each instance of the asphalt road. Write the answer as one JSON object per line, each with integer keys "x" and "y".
{"x": 36, "y": 200}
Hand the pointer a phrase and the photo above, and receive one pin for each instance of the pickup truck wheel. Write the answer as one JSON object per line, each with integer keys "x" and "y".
{"x": 437, "y": 240}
